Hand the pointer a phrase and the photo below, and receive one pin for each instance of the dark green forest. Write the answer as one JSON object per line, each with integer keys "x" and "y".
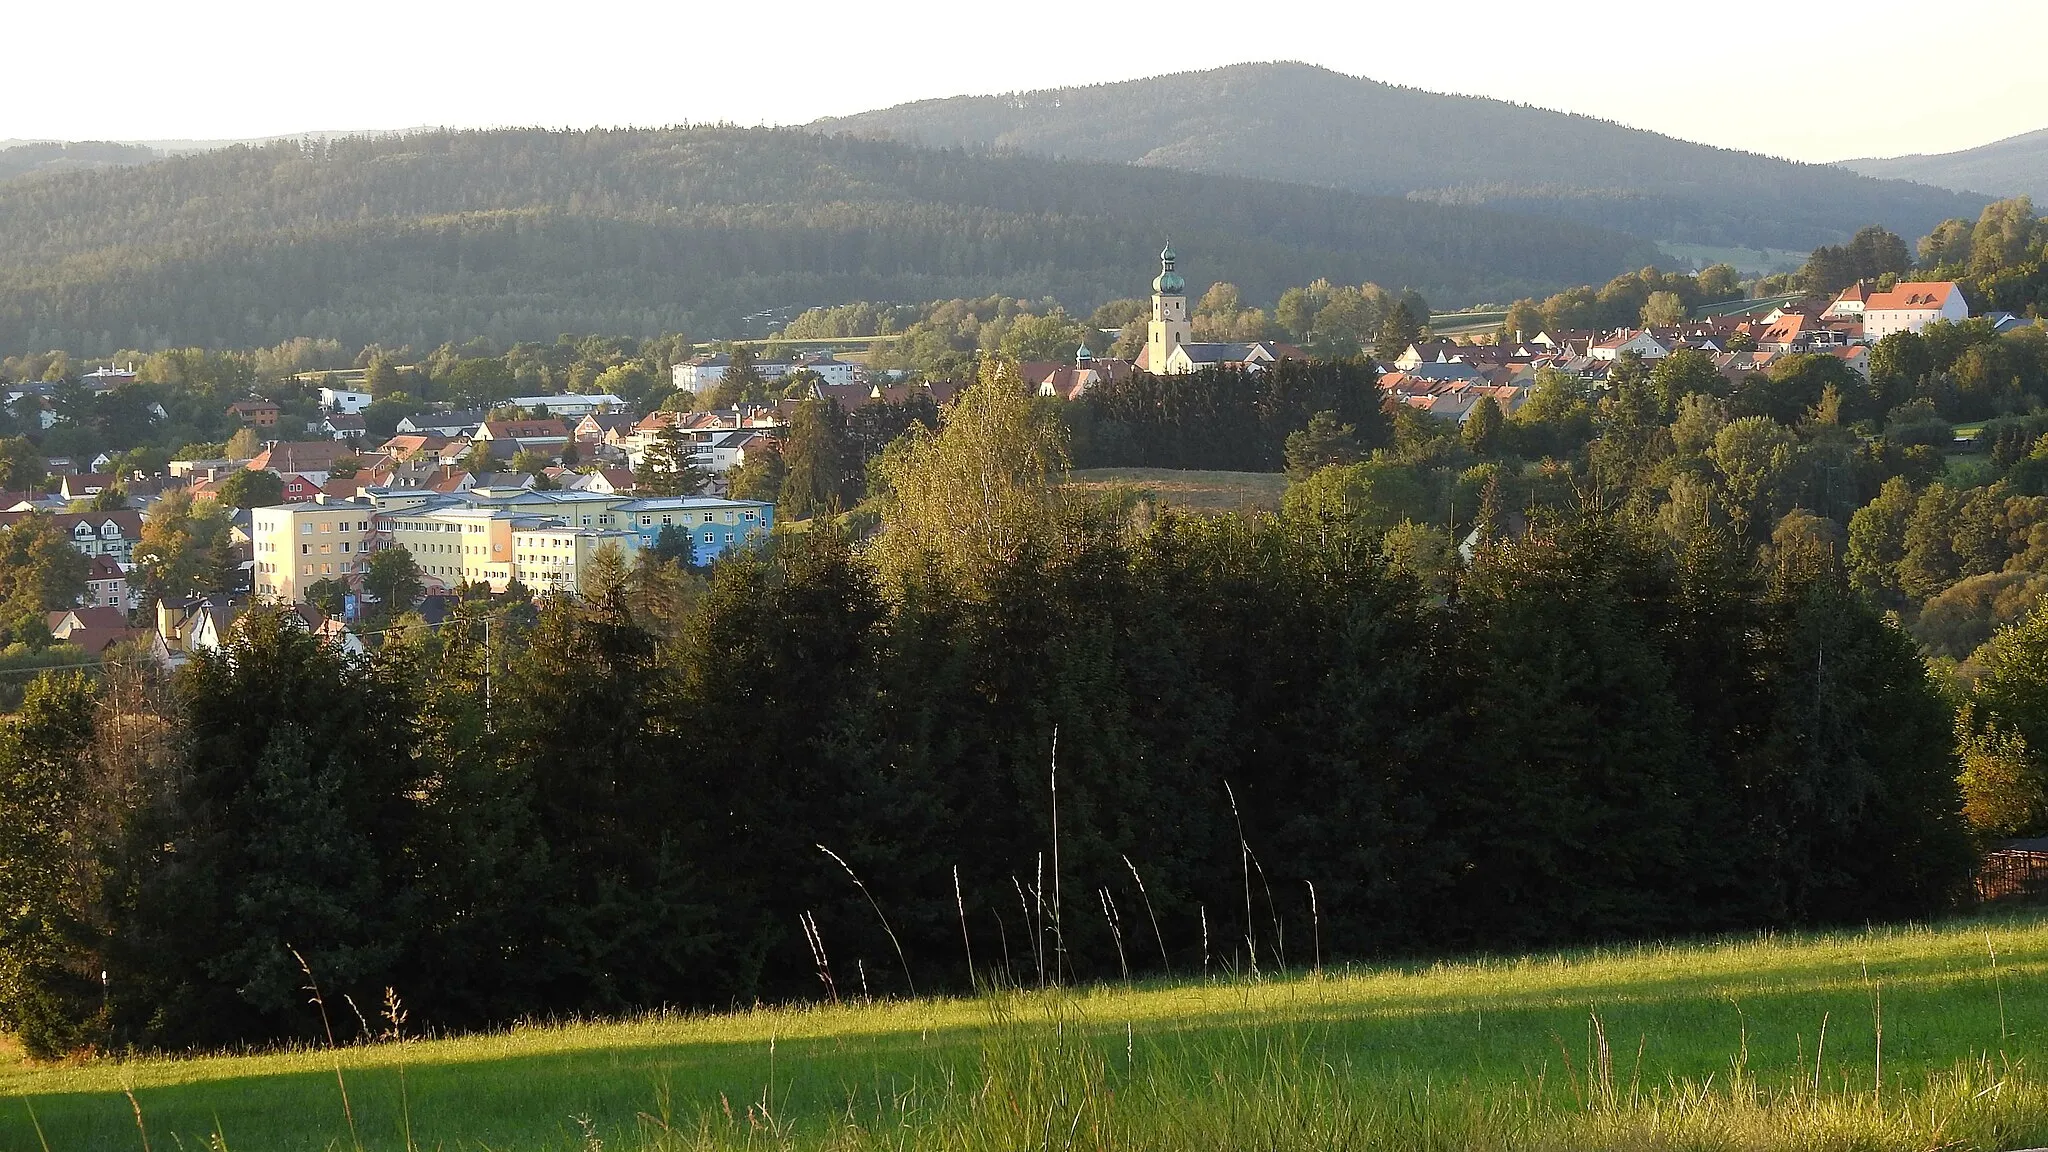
{"x": 524, "y": 234}
{"x": 1307, "y": 124}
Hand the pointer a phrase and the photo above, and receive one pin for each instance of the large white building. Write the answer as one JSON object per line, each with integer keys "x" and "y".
{"x": 703, "y": 373}
{"x": 575, "y": 404}
{"x": 347, "y": 400}
{"x": 1912, "y": 306}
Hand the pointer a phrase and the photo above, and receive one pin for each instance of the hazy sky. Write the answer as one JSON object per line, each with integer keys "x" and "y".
{"x": 1809, "y": 83}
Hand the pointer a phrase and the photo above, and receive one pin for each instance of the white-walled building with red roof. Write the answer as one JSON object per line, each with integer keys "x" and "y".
{"x": 1911, "y": 306}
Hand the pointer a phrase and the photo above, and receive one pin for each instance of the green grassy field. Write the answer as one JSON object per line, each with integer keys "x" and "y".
{"x": 1198, "y": 491}
{"x": 1748, "y": 261}
{"x": 1761, "y": 1043}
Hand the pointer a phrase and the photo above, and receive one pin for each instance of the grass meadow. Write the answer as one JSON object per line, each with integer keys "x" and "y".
{"x": 1192, "y": 490}
{"x": 1907, "y": 1038}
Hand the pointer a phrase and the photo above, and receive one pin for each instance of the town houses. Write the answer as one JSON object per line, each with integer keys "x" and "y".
{"x": 534, "y": 491}
{"x": 1447, "y": 379}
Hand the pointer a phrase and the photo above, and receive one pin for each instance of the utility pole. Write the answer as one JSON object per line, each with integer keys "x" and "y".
{"x": 487, "y": 675}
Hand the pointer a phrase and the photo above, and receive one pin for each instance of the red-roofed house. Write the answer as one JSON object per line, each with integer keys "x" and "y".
{"x": 302, "y": 486}
{"x": 1849, "y": 304}
{"x": 255, "y": 411}
{"x": 1912, "y": 306}
{"x": 106, "y": 585}
{"x": 549, "y": 433}
{"x": 84, "y": 486}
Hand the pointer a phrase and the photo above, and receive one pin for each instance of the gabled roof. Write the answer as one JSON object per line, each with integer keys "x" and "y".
{"x": 62, "y": 623}
{"x": 1915, "y": 296}
{"x": 127, "y": 520}
{"x": 301, "y": 456}
{"x": 549, "y": 429}
{"x": 406, "y": 444}
{"x": 96, "y": 639}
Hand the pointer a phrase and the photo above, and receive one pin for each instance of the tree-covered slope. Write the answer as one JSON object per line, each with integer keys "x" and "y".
{"x": 24, "y": 158}
{"x": 2014, "y": 166}
{"x": 1303, "y": 123}
{"x": 526, "y": 233}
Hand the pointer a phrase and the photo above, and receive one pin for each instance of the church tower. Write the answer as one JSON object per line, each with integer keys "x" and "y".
{"x": 1170, "y": 327}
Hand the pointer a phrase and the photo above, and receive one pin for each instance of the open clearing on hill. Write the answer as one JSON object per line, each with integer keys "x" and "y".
{"x": 1196, "y": 491}
{"x": 1734, "y": 1044}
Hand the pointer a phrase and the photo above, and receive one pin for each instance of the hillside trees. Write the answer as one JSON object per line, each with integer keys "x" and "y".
{"x": 1223, "y": 418}
{"x": 520, "y": 235}
{"x": 818, "y": 476}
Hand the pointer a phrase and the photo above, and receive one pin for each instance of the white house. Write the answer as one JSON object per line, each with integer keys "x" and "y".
{"x": 1641, "y": 343}
{"x": 1911, "y": 307}
{"x": 703, "y": 373}
{"x": 344, "y": 400}
{"x": 573, "y": 404}
{"x": 830, "y": 368}
{"x": 1849, "y": 304}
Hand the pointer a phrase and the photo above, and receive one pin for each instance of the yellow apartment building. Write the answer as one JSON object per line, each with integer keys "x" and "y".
{"x": 455, "y": 546}
{"x": 553, "y": 559}
{"x": 294, "y": 546}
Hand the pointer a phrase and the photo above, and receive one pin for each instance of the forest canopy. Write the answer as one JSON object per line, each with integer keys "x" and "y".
{"x": 523, "y": 234}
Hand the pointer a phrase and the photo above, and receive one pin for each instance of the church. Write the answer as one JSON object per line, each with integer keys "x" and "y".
{"x": 1170, "y": 344}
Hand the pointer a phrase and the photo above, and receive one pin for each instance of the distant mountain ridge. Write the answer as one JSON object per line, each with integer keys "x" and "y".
{"x": 2014, "y": 166}
{"x": 524, "y": 234}
{"x": 27, "y": 158}
{"x": 1306, "y": 124}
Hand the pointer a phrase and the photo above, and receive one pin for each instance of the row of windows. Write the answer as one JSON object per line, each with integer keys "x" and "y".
{"x": 647, "y": 518}
{"x": 344, "y": 568}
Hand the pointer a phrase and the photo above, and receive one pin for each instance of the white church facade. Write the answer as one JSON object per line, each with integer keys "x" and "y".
{"x": 1170, "y": 344}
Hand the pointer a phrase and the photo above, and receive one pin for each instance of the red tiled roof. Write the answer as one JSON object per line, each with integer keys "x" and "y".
{"x": 1911, "y": 297}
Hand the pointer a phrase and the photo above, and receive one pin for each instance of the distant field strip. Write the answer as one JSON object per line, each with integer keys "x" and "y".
{"x": 1200, "y": 491}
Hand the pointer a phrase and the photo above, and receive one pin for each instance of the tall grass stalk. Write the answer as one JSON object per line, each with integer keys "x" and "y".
{"x": 1059, "y": 970}
{"x": 1116, "y": 932}
{"x": 41, "y": 1140}
{"x": 960, "y": 904}
{"x": 1997, "y": 986}
{"x": 898, "y": 945}
{"x": 1315, "y": 921}
{"x": 1244, "y": 859}
{"x": 1164, "y": 962}
{"x": 341, "y": 1082}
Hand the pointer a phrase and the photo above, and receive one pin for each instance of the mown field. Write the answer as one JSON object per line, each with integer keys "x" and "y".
{"x": 1908, "y": 1038}
{"x": 1196, "y": 491}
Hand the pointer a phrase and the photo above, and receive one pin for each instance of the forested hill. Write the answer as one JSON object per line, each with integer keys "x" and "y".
{"x": 1303, "y": 123}
{"x": 22, "y": 159}
{"x": 2014, "y": 166}
{"x": 523, "y": 234}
